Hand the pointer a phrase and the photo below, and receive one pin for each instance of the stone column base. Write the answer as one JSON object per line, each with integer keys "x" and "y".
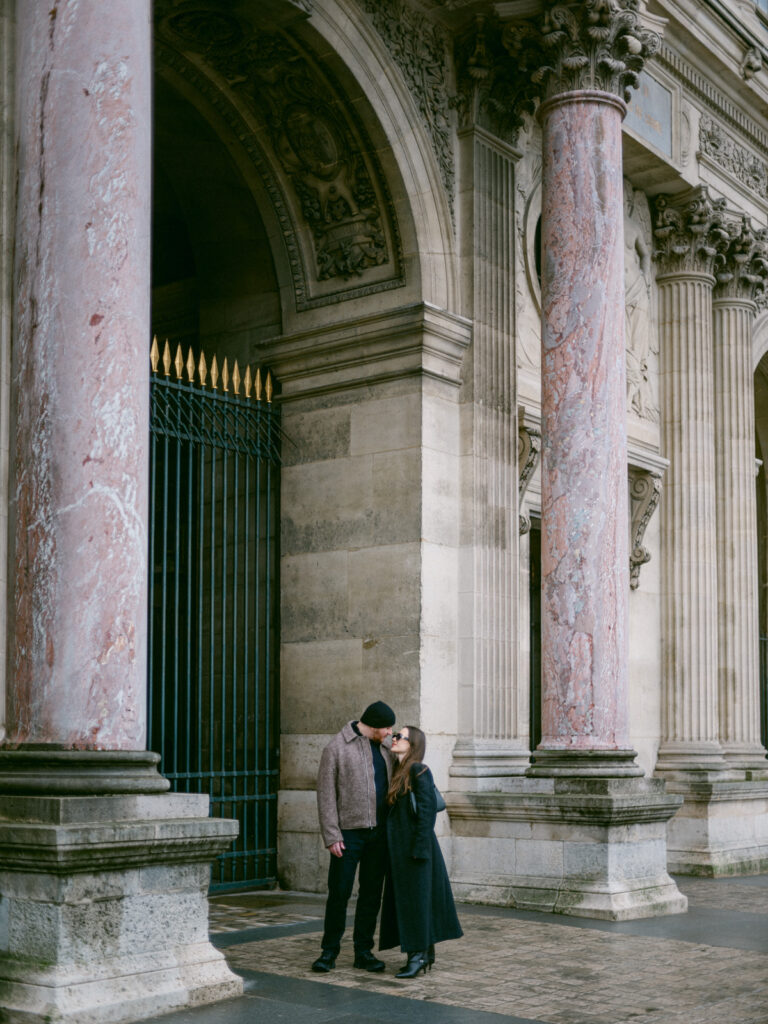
{"x": 481, "y": 765}
{"x": 103, "y": 907}
{"x": 721, "y": 829}
{"x": 585, "y": 847}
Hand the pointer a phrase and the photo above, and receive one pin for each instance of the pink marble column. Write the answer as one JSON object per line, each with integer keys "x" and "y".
{"x": 78, "y": 608}
{"x": 585, "y": 557}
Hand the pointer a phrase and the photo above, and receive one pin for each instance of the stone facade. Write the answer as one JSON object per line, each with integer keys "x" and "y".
{"x": 506, "y": 263}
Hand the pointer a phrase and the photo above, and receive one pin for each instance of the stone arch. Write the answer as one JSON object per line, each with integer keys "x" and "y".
{"x": 397, "y": 232}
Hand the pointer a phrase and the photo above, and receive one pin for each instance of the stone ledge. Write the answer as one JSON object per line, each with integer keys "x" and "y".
{"x": 63, "y": 849}
{"x": 417, "y": 339}
{"x": 604, "y": 810}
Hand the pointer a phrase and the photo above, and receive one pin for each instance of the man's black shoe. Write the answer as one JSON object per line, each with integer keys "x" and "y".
{"x": 325, "y": 962}
{"x": 366, "y": 961}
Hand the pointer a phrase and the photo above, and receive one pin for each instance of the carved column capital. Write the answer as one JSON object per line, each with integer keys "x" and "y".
{"x": 741, "y": 268}
{"x": 690, "y": 232}
{"x": 593, "y": 44}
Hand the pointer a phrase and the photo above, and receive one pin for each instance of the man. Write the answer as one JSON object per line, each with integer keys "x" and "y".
{"x": 352, "y": 786}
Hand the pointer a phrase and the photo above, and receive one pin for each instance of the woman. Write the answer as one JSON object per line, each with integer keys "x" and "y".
{"x": 418, "y": 908}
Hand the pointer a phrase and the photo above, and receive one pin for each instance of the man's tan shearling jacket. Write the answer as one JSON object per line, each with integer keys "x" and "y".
{"x": 346, "y": 791}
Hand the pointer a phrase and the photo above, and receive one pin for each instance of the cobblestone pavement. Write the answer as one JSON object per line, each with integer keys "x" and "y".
{"x": 709, "y": 966}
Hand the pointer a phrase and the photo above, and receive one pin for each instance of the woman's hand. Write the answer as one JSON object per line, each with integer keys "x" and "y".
{"x": 337, "y": 849}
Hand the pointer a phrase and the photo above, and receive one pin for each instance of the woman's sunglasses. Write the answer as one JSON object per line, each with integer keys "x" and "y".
{"x": 401, "y": 736}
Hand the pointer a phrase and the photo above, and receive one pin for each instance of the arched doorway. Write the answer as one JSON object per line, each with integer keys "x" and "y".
{"x": 214, "y": 523}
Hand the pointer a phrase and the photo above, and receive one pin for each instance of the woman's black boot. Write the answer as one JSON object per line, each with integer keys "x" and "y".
{"x": 416, "y": 962}
{"x": 430, "y": 955}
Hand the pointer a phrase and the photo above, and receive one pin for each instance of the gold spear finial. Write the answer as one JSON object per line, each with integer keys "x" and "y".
{"x": 202, "y": 368}
{"x": 236, "y": 378}
{"x": 167, "y": 359}
{"x": 257, "y": 385}
{"x": 154, "y": 355}
{"x": 248, "y": 381}
{"x": 214, "y": 373}
{"x": 179, "y": 361}
{"x": 225, "y": 375}
{"x": 191, "y": 366}
{"x": 268, "y": 388}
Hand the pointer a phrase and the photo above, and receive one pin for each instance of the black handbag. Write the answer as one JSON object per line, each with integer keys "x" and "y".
{"x": 439, "y": 801}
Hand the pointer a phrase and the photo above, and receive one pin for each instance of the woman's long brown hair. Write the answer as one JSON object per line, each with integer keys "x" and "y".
{"x": 401, "y": 774}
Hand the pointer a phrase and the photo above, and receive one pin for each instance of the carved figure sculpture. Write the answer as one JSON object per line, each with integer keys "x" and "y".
{"x": 640, "y": 337}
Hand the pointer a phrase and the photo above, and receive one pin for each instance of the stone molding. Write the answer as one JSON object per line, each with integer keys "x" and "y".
{"x": 596, "y": 45}
{"x": 644, "y": 496}
{"x": 690, "y": 231}
{"x": 703, "y": 89}
{"x": 743, "y": 266}
{"x": 415, "y": 340}
{"x": 47, "y": 770}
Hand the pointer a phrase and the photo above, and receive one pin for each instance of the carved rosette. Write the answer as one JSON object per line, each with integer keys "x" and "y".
{"x": 690, "y": 231}
{"x": 594, "y": 44}
{"x": 644, "y": 496}
{"x": 742, "y": 268}
{"x": 528, "y": 455}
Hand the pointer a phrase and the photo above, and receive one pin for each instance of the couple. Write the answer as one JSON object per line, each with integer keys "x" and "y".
{"x": 377, "y": 809}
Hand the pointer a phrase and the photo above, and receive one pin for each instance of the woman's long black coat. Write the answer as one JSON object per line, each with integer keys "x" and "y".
{"x": 418, "y": 907}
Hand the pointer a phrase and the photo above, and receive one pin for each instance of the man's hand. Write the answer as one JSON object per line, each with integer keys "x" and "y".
{"x": 337, "y": 849}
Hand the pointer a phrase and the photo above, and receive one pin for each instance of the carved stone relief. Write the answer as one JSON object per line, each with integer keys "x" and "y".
{"x": 745, "y": 165}
{"x": 420, "y": 49}
{"x": 640, "y": 331}
{"x": 644, "y": 495}
{"x": 314, "y": 139}
{"x": 528, "y": 455}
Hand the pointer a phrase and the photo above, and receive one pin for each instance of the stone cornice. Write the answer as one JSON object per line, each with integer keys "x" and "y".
{"x": 703, "y": 89}
{"x": 690, "y": 231}
{"x": 415, "y": 340}
{"x": 742, "y": 268}
{"x": 594, "y": 44}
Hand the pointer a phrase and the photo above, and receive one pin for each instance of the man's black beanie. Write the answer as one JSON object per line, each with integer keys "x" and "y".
{"x": 378, "y": 715}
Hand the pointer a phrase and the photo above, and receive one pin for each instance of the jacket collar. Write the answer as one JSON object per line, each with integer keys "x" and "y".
{"x": 349, "y": 733}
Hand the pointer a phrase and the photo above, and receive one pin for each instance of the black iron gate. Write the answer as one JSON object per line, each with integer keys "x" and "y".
{"x": 213, "y": 631}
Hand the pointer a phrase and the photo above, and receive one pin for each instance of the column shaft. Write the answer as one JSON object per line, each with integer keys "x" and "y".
{"x": 80, "y": 376}
{"x": 738, "y": 628}
{"x": 689, "y": 586}
{"x": 584, "y": 454}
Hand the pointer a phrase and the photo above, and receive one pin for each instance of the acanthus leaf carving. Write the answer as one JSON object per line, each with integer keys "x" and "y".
{"x": 594, "y": 44}
{"x": 742, "y": 268}
{"x": 494, "y": 70}
{"x": 690, "y": 231}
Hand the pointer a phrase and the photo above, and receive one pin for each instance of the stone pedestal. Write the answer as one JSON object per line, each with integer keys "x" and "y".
{"x": 584, "y": 847}
{"x": 103, "y": 896}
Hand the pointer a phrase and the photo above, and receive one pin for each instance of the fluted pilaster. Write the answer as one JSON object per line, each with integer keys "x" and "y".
{"x": 739, "y": 276}
{"x": 688, "y": 232}
{"x": 498, "y": 744}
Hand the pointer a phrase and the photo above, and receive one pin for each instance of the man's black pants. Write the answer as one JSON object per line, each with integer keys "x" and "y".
{"x": 368, "y": 848}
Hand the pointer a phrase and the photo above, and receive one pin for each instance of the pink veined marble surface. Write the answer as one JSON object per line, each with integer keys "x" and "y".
{"x": 585, "y": 574}
{"x": 80, "y": 376}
